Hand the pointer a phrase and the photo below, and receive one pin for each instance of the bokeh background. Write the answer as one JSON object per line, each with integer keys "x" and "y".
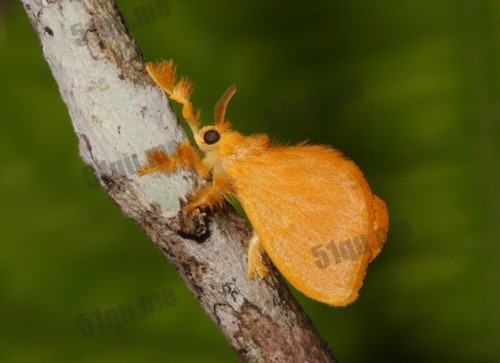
{"x": 410, "y": 90}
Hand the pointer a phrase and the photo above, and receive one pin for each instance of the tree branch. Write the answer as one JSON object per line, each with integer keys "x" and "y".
{"x": 118, "y": 113}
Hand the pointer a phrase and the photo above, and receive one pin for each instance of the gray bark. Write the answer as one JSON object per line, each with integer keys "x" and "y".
{"x": 118, "y": 113}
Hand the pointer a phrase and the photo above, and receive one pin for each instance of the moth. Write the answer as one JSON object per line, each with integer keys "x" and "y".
{"x": 311, "y": 208}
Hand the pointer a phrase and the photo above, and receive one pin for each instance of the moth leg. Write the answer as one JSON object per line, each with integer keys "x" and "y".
{"x": 184, "y": 156}
{"x": 164, "y": 74}
{"x": 256, "y": 264}
{"x": 211, "y": 195}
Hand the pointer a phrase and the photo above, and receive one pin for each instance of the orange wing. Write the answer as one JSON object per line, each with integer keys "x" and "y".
{"x": 315, "y": 215}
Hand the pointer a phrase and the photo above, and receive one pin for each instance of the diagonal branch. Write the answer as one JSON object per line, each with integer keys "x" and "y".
{"x": 118, "y": 113}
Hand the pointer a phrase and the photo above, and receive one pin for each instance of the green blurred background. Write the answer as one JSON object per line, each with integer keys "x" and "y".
{"x": 410, "y": 90}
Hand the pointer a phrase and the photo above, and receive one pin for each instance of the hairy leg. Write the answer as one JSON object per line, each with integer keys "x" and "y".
{"x": 256, "y": 264}
{"x": 184, "y": 156}
{"x": 164, "y": 74}
{"x": 211, "y": 195}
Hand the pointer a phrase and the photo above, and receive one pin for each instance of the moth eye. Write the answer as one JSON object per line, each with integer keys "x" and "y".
{"x": 211, "y": 137}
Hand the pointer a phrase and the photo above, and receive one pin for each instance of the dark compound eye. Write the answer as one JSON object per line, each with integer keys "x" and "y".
{"x": 211, "y": 137}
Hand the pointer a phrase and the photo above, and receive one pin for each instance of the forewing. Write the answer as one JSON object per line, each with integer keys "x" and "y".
{"x": 312, "y": 210}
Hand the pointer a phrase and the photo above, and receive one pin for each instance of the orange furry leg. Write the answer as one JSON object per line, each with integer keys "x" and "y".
{"x": 184, "y": 156}
{"x": 256, "y": 264}
{"x": 206, "y": 196}
{"x": 164, "y": 74}
{"x": 211, "y": 195}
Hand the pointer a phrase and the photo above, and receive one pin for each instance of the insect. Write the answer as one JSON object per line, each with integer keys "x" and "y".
{"x": 311, "y": 208}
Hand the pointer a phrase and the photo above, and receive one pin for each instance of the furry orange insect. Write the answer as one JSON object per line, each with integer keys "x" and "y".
{"x": 312, "y": 210}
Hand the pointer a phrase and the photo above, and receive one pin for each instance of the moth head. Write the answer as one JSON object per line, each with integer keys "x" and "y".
{"x": 210, "y": 138}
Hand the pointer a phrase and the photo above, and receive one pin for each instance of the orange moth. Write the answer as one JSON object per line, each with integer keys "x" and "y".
{"x": 312, "y": 210}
